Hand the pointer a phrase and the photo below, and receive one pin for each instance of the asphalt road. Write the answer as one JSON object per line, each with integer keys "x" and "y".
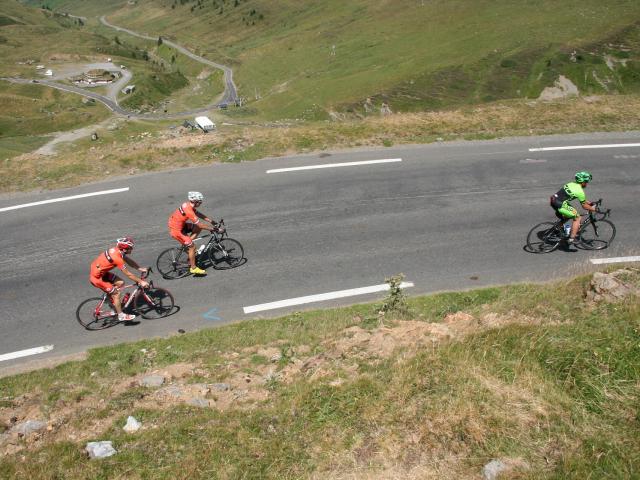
{"x": 448, "y": 216}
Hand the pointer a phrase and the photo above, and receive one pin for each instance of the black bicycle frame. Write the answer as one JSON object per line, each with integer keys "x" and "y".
{"x": 591, "y": 219}
{"x": 214, "y": 239}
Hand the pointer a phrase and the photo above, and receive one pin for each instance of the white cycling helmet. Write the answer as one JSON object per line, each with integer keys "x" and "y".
{"x": 195, "y": 197}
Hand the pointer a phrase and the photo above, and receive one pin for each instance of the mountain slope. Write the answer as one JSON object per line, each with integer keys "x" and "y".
{"x": 305, "y": 59}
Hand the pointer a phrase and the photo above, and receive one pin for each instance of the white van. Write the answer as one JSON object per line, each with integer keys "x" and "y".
{"x": 205, "y": 124}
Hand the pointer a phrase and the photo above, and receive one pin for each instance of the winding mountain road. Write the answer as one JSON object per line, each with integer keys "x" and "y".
{"x": 229, "y": 95}
{"x": 448, "y": 215}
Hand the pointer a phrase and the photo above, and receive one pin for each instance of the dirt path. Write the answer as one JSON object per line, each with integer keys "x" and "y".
{"x": 70, "y": 136}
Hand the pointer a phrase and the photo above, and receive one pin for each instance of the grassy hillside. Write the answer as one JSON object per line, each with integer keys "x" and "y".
{"x": 304, "y": 59}
{"x": 75, "y": 7}
{"x": 30, "y": 112}
{"x": 533, "y": 375}
{"x": 39, "y": 37}
{"x": 29, "y": 37}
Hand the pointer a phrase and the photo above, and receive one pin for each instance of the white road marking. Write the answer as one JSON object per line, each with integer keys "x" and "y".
{"x": 26, "y": 353}
{"x": 533, "y": 160}
{"x": 334, "y": 165}
{"x": 583, "y": 147}
{"x": 64, "y": 199}
{"x": 322, "y": 296}
{"x": 598, "y": 261}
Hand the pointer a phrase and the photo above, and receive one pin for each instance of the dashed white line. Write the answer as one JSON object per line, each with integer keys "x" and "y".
{"x": 64, "y": 199}
{"x": 533, "y": 160}
{"x": 597, "y": 261}
{"x": 334, "y": 165}
{"x": 322, "y": 296}
{"x": 25, "y": 353}
{"x": 583, "y": 147}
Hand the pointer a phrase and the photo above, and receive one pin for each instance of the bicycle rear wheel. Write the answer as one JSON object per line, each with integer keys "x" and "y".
{"x": 226, "y": 254}
{"x": 544, "y": 238}
{"x": 598, "y": 235}
{"x": 154, "y": 303}
{"x": 173, "y": 263}
{"x": 93, "y": 318}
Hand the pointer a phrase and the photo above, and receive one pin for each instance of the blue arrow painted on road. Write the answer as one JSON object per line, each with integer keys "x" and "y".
{"x": 211, "y": 314}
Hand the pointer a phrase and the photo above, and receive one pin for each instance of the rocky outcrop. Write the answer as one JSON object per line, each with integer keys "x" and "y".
{"x": 611, "y": 287}
{"x": 562, "y": 88}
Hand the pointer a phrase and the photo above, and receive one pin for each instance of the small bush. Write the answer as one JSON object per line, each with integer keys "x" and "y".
{"x": 396, "y": 301}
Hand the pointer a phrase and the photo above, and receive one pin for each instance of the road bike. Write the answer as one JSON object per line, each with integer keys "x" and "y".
{"x": 152, "y": 302}
{"x": 596, "y": 233}
{"x": 221, "y": 251}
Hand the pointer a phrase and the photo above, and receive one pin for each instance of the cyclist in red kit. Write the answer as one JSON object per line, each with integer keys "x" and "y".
{"x": 101, "y": 276}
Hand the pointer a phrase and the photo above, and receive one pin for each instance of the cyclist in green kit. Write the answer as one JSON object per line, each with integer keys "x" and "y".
{"x": 561, "y": 202}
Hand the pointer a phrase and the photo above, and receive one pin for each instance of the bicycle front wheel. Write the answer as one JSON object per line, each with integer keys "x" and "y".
{"x": 154, "y": 303}
{"x": 544, "y": 238}
{"x": 173, "y": 263}
{"x": 94, "y": 314}
{"x": 597, "y": 235}
{"x": 228, "y": 253}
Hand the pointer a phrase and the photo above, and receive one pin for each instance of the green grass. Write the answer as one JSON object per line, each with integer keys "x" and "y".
{"x": 88, "y": 8}
{"x": 31, "y": 111}
{"x": 303, "y": 60}
{"x": 413, "y": 55}
{"x": 40, "y": 37}
{"x": 171, "y": 90}
{"x": 14, "y": 146}
{"x": 558, "y": 393}
{"x": 151, "y": 89}
{"x": 37, "y": 110}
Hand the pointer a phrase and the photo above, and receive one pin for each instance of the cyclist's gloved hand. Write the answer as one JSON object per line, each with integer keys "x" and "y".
{"x": 144, "y": 284}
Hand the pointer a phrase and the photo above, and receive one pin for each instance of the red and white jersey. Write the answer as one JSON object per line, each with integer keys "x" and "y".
{"x": 106, "y": 261}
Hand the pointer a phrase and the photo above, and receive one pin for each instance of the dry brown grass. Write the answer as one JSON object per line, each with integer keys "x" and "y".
{"x": 241, "y": 142}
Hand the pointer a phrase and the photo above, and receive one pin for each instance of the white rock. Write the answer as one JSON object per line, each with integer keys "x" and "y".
{"x": 100, "y": 449}
{"x": 152, "y": 381}
{"x": 198, "y": 402}
{"x": 29, "y": 426}
{"x": 492, "y": 469}
{"x": 132, "y": 425}
{"x": 562, "y": 88}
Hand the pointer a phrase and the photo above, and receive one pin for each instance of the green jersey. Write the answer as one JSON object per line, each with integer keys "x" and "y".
{"x": 561, "y": 201}
{"x": 569, "y": 192}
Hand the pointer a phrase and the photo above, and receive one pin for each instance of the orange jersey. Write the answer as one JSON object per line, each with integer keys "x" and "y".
{"x": 106, "y": 261}
{"x": 180, "y": 216}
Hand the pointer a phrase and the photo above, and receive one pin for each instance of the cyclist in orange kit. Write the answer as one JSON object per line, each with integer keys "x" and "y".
{"x": 185, "y": 226}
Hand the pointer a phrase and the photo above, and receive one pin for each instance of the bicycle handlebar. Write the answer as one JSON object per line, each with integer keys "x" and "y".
{"x": 602, "y": 213}
{"x": 218, "y": 228}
